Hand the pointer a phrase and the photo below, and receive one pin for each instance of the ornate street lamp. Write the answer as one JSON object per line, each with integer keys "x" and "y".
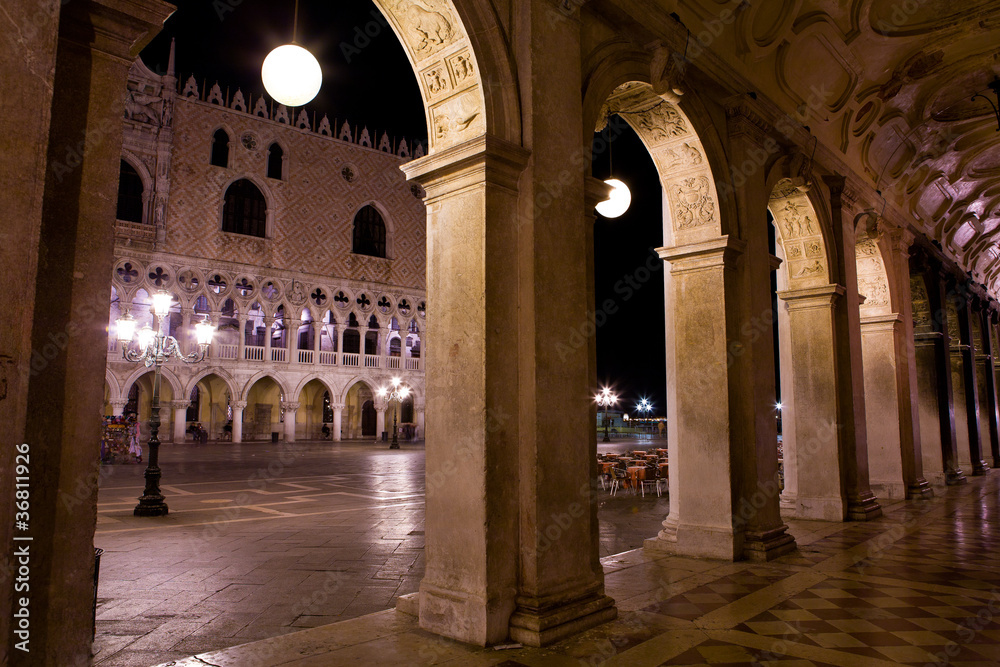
{"x": 606, "y": 399}
{"x": 395, "y": 394}
{"x": 152, "y": 348}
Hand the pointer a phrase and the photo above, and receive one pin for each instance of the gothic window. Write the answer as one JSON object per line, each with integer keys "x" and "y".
{"x": 369, "y": 232}
{"x": 129, "y": 193}
{"x": 275, "y": 161}
{"x": 245, "y": 211}
{"x": 220, "y": 148}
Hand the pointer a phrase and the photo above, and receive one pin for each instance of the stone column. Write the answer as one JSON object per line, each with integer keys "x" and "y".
{"x": 971, "y": 385}
{"x": 118, "y": 406}
{"x": 186, "y": 334}
{"x": 937, "y": 297}
{"x": 907, "y": 387}
{"x": 238, "y": 408}
{"x": 380, "y": 412}
{"x": 240, "y": 354}
{"x": 292, "y": 340}
{"x": 180, "y": 418}
{"x": 990, "y": 407}
{"x": 818, "y": 472}
{"x": 268, "y": 323}
{"x": 340, "y": 343}
{"x": 65, "y": 70}
{"x": 418, "y": 415}
{"x": 338, "y": 414}
{"x": 853, "y": 435}
{"x": 290, "y": 408}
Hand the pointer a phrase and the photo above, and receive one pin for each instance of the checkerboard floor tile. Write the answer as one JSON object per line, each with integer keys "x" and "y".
{"x": 713, "y": 652}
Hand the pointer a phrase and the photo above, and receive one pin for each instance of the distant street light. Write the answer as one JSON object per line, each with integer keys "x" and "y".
{"x": 644, "y": 407}
{"x": 397, "y": 393}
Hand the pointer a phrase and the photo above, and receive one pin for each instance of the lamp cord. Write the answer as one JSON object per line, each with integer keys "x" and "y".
{"x": 295, "y": 21}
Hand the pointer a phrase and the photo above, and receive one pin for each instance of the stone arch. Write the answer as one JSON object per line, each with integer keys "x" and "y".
{"x": 114, "y": 390}
{"x": 363, "y": 379}
{"x": 176, "y": 387}
{"x": 309, "y": 378}
{"x": 221, "y": 373}
{"x": 136, "y": 163}
{"x": 802, "y": 234}
{"x": 248, "y": 385}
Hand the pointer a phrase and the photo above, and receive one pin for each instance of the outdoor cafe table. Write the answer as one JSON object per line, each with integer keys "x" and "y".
{"x": 661, "y": 452}
{"x": 635, "y": 474}
{"x": 606, "y": 467}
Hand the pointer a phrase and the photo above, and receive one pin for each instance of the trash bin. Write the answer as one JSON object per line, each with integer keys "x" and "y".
{"x": 274, "y": 436}
{"x": 97, "y": 576}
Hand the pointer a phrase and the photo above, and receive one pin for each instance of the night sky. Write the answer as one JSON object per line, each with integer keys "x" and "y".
{"x": 368, "y": 80}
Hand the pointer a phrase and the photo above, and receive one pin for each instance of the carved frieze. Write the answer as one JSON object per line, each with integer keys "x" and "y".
{"x": 427, "y": 26}
{"x": 693, "y": 204}
{"x": 682, "y": 156}
{"x": 457, "y": 118}
{"x": 659, "y": 123}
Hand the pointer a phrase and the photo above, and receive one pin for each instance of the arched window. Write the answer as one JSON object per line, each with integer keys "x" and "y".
{"x": 129, "y": 193}
{"x": 194, "y": 407}
{"x": 369, "y": 232}
{"x": 220, "y": 148}
{"x": 245, "y": 211}
{"x": 275, "y": 161}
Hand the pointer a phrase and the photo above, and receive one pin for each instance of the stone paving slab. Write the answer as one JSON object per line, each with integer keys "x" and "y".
{"x": 266, "y": 539}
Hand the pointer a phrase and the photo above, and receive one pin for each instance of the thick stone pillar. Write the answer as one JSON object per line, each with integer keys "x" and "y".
{"x": 853, "y": 435}
{"x": 180, "y": 418}
{"x": 472, "y": 388}
{"x": 907, "y": 387}
{"x": 238, "y": 408}
{"x": 62, "y": 128}
{"x": 380, "y": 409}
{"x": 418, "y": 415}
{"x": 338, "y": 416}
{"x": 989, "y": 407}
{"x": 938, "y": 334}
{"x": 817, "y": 472}
{"x": 290, "y": 408}
{"x": 968, "y": 351}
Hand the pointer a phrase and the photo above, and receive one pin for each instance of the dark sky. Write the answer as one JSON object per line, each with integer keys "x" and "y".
{"x": 368, "y": 80}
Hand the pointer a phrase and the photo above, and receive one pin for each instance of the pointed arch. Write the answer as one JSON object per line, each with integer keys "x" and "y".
{"x": 245, "y": 392}
{"x": 176, "y": 386}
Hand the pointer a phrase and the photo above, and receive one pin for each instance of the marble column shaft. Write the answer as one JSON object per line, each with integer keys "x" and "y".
{"x": 969, "y": 373}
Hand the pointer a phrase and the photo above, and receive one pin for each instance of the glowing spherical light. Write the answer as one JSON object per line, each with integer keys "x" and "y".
{"x": 291, "y": 75}
{"x": 618, "y": 202}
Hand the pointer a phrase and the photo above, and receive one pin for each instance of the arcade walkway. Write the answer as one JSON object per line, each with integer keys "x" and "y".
{"x": 919, "y": 586}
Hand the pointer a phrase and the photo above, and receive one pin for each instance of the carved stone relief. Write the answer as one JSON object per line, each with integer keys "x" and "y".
{"x": 426, "y": 26}
{"x": 681, "y": 156}
{"x": 660, "y": 123}
{"x": 693, "y": 205}
{"x": 457, "y": 118}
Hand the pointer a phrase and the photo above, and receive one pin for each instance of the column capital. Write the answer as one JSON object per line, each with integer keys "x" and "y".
{"x": 337, "y": 406}
{"x": 812, "y": 297}
{"x": 240, "y": 405}
{"x": 719, "y": 251}
{"x": 118, "y": 402}
{"x": 454, "y": 168}
{"x": 180, "y": 405}
{"x": 290, "y": 405}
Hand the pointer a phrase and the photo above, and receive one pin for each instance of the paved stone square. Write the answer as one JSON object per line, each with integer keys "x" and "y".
{"x": 265, "y": 539}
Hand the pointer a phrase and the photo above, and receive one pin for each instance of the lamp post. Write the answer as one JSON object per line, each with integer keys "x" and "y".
{"x": 152, "y": 348}
{"x": 644, "y": 407}
{"x": 606, "y": 399}
{"x": 395, "y": 394}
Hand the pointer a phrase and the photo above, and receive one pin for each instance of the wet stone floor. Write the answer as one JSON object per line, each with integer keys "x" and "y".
{"x": 267, "y": 539}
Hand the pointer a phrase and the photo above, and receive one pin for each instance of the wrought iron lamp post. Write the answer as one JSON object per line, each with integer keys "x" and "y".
{"x": 395, "y": 394}
{"x": 606, "y": 399}
{"x": 152, "y": 348}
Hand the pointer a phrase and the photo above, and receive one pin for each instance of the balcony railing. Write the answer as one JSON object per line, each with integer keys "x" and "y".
{"x": 392, "y": 363}
{"x": 371, "y": 361}
{"x": 138, "y": 231}
{"x": 305, "y": 356}
{"x": 327, "y": 358}
{"x": 413, "y": 364}
{"x": 279, "y": 354}
{"x": 253, "y": 353}
{"x": 225, "y": 350}
{"x": 351, "y": 359}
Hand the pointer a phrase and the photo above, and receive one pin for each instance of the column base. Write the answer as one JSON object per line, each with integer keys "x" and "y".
{"x": 820, "y": 508}
{"x": 954, "y": 477}
{"x": 763, "y": 546}
{"x": 980, "y": 467}
{"x": 694, "y": 542}
{"x": 864, "y": 508}
{"x": 463, "y": 616}
{"x": 919, "y": 489}
{"x": 541, "y": 627}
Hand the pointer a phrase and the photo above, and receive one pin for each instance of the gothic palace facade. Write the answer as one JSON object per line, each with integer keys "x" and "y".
{"x": 303, "y": 244}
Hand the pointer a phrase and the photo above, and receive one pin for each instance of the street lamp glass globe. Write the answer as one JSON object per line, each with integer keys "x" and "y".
{"x": 161, "y": 303}
{"x": 204, "y": 331}
{"x": 146, "y": 336}
{"x": 125, "y": 327}
{"x": 618, "y": 202}
{"x": 291, "y": 75}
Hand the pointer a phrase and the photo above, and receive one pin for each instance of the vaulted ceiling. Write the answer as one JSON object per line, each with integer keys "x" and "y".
{"x": 885, "y": 85}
